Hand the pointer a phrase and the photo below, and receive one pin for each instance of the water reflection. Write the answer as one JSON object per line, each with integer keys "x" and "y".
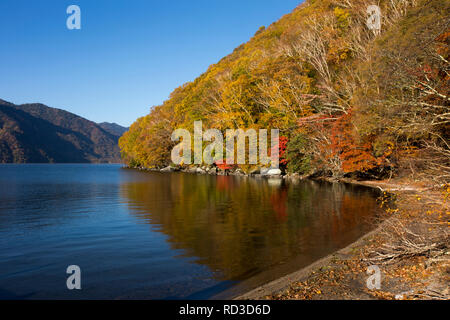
{"x": 240, "y": 226}
{"x": 139, "y": 235}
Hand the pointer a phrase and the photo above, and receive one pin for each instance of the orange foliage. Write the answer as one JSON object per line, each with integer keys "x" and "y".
{"x": 355, "y": 156}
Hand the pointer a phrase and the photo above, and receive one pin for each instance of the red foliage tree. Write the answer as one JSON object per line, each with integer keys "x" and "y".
{"x": 355, "y": 155}
{"x": 224, "y": 164}
{"x": 282, "y": 147}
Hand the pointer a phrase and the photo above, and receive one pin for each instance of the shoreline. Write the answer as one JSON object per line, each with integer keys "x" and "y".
{"x": 346, "y": 268}
{"x": 301, "y": 282}
{"x": 283, "y": 282}
{"x": 273, "y": 286}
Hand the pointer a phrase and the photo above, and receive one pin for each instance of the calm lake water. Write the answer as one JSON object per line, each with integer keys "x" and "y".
{"x": 139, "y": 235}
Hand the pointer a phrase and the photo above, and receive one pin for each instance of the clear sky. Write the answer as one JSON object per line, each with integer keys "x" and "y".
{"x": 129, "y": 54}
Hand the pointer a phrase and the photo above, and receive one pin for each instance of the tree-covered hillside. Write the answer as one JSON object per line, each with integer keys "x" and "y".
{"x": 35, "y": 133}
{"x": 350, "y": 101}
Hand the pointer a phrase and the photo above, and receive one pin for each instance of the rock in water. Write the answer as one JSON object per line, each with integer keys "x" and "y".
{"x": 200, "y": 171}
{"x": 274, "y": 172}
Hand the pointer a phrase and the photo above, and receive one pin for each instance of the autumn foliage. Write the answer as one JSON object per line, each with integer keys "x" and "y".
{"x": 355, "y": 154}
{"x": 347, "y": 100}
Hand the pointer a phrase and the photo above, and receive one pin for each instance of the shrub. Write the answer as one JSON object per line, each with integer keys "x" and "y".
{"x": 297, "y": 154}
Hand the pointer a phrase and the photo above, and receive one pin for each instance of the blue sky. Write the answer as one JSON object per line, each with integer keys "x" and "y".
{"x": 128, "y": 55}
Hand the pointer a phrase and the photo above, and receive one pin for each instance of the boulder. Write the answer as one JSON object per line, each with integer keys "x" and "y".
{"x": 192, "y": 170}
{"x": 237, "y": 172}
{"x": 274, "y": 172}
{"x": 168, "y": 169}
{"x": 200, "y": 171}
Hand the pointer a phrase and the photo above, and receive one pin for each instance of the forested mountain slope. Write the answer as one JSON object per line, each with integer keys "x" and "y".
{"x": 35, "y": 133}
{"x": 350, "y": 101}
{"x": 113, "y": 128}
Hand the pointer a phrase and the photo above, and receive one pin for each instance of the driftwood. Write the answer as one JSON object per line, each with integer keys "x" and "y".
{"x": 404, "y": 243}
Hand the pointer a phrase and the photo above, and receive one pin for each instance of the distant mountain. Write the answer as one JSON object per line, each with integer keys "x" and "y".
{"x": 35, "y": 133}
{"x": 113, "y": 128}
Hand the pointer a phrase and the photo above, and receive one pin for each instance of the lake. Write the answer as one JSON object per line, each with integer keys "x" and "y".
{"x": 142, "y": 235}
